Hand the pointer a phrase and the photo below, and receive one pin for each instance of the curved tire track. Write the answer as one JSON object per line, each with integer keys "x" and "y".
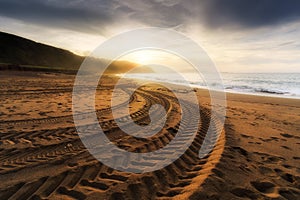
{"x": 90, "y": 177}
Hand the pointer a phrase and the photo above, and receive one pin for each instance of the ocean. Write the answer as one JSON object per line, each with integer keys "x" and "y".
{"x": 265, "y": 84}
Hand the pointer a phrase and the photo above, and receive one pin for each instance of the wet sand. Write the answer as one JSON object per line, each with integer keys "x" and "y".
{"x": 256, "y": 157}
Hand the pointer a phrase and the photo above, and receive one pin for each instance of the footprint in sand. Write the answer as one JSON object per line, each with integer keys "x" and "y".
{"x": 265, "y": 170}
{"x": 247, "y": 136}
{"x": 285, "y": 147}
{"x": 264, "y": 186}
{"x": 289, "y": 193}
{"x": 244, "y": 193}
{"x": 286, "y": 135}
{"x": 289, "y": 177}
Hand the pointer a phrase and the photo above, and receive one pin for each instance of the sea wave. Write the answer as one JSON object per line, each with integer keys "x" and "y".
{"x": 267, "y": 84}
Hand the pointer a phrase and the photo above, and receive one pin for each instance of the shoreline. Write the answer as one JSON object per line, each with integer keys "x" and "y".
{"x": 226, "y": 92}
{"x": 264, "y": 94}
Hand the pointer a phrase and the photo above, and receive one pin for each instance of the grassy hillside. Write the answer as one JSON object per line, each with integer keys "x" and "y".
{"x": 20, "y": 51}
{"x": 17, "y": 53}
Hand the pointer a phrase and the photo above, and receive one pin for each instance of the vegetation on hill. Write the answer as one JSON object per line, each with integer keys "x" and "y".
{"x": 17, "y": 53}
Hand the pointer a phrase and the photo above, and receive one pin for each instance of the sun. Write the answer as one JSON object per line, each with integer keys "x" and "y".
{"x": 142, "y": 57}
{"x": 155, "y": 58}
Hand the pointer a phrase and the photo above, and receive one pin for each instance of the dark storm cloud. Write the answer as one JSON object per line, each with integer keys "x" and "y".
{"x": 91, "y": 15}
{"x": 78, "y": 15}
{"x": 250, "y": 13}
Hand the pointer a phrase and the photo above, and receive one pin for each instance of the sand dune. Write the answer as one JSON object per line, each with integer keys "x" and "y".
{"x": 256, "y": 157}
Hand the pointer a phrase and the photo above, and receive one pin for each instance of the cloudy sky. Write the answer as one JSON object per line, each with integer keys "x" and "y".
{"x": 239, "y": 36}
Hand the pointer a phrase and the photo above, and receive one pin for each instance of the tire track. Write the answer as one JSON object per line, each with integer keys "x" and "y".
{"x": 178, "y": 180}
{"x": 22, "y": 157}
{"x": 62, "y": 119}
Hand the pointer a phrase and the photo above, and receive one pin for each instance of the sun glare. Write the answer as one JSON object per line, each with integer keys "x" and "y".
{"x": 155, "y": 59}
{"x": 142, "y": 57}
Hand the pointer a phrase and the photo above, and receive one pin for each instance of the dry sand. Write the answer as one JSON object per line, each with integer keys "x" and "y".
{"x": 256, "y": 157}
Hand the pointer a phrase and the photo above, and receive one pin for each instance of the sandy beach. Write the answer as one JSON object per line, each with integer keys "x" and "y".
{"x": 256, "y": 157}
